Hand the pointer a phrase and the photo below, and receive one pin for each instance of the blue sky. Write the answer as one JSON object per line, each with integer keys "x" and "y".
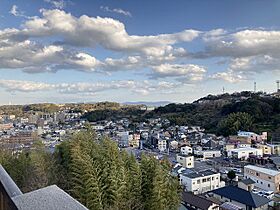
{"x": 125, "y": 50}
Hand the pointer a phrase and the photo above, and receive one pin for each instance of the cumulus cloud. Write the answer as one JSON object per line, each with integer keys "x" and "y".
{"x": 247, "y": 51}
{"x": 229, "y": 76}
{"x": 32, "y": 57}
{"x": 183, "y": 72}
{"x": 116, "y": 10}
{"x": 140, "y": 87}
{"x": 111, "y": 34}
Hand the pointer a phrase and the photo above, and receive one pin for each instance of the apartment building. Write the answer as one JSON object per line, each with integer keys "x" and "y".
{"x": 266, "y": 149}
{"x": 275, "y": 149}
{"x": 186, "y": 160}
{"x": 264, "y": 178}
{"x": 201, "y": 182}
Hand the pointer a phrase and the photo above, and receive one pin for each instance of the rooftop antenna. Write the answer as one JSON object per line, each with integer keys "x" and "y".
{"x": 278, "y": 82}
{"x": 255, "y": 87}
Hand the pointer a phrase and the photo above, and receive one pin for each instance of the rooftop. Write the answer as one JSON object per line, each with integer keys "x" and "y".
{"x": 263, "y": 170}
{"x": 241, "y": 196}
{"x": 197, "y": 201}
{"x": 195, "y": 174}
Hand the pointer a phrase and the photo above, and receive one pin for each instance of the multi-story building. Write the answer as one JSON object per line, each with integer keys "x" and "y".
{"x": 275, "y": 149}
{"x": 186, "y": 150}
{"x": 264, "y": 178}
{"x": 244, "y": 153}
{"x": 266, "y": 149}
{"x": 187, "y": 161}
{"x": 162, "y": 145}
{"x": 201, "y": 182}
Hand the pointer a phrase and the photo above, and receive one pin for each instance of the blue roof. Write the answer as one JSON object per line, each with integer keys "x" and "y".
{"x": 241, "y": 196}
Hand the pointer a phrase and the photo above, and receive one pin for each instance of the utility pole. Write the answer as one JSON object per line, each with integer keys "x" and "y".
{"x": 278, "y": 82}
{"x": 255, "y": 87}
{"x": 223, "y": 90}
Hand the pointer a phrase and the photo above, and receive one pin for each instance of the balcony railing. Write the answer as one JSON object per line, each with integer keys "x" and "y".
{"x": 52, "y": 197}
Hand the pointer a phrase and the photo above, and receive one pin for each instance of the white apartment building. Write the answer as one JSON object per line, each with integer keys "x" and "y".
{"x": 201, "y": 182}
{"x": 208, "y": 153}
{"x": 186, "y": 160}
{"x": 264, "y": 178}
{"x": 244, "y": 153}
{"x": 185, "y": 150}
{"x": 162, "y": 145}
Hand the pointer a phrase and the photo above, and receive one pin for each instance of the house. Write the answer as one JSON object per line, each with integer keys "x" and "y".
{"x": 210, "y": 144}
{"x": 240, "y": 197}
{"x": 253, "y": 136}
{"x": 244, "y": 153}
{"x": 247, "y": 184}
{"x": 187, "y": 161}
{"x": 192, "y": 201}
{"x": 264, "y": 178}
{"x": 276, "y": 161}
{"x": 185, "y": 150}
{"x": 201, "y": 182}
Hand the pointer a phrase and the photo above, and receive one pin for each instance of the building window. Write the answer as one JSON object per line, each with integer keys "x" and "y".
{"x": 212, "y": 178}
{"x": 203, "y": 180}
{"x": 268, "y": 185}
{"x": 261, "y": 182}
{"x": 208, "y": 179}
{"x": 269, "y": 177}
{"x": 198, "y": 181}
{"x": 257, "y": 174}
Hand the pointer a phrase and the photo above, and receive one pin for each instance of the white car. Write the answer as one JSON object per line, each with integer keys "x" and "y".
{"x": 269, "y": 194}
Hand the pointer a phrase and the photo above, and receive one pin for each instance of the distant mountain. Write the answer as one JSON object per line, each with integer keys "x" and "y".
{"x": 148, "y": 103}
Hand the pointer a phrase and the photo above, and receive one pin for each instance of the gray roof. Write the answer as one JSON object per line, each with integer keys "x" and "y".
{"x": 276, "y": 160}
{"x": 241, "y": 196}
{"x": 195, "y": 174}
{"x": 248, "y": 181}
{"x": 197, "y": 201}
{"x": 50, "y": 198}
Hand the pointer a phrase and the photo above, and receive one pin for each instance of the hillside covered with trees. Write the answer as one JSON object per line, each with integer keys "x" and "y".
{"x": 260, "y": 112}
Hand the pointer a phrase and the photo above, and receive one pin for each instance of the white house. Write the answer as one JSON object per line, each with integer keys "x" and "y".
{"x": 244, "y": 153}
{"x": 186, "y": 160}
{"x": 201, "y": 182}
{"x": 185, "y": 150}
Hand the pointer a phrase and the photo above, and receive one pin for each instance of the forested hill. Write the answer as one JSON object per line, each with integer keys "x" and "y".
{"x": 213, "y": 112}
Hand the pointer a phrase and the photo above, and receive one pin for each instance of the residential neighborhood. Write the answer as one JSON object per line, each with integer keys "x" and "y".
{"x": 201, "y": 161}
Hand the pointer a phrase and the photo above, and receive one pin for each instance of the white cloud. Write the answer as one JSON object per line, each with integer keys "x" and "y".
{"x": 116, "y": 10}
{"x": 183, "y": 72}
{"x": 60, "y": 4}
{"x": 18, "y": 13}
{"x": 87, "y": 88}
{"x": 111, "y": 34}
{"x": 32, "y": 57}
{"x": 229, "y": 76}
